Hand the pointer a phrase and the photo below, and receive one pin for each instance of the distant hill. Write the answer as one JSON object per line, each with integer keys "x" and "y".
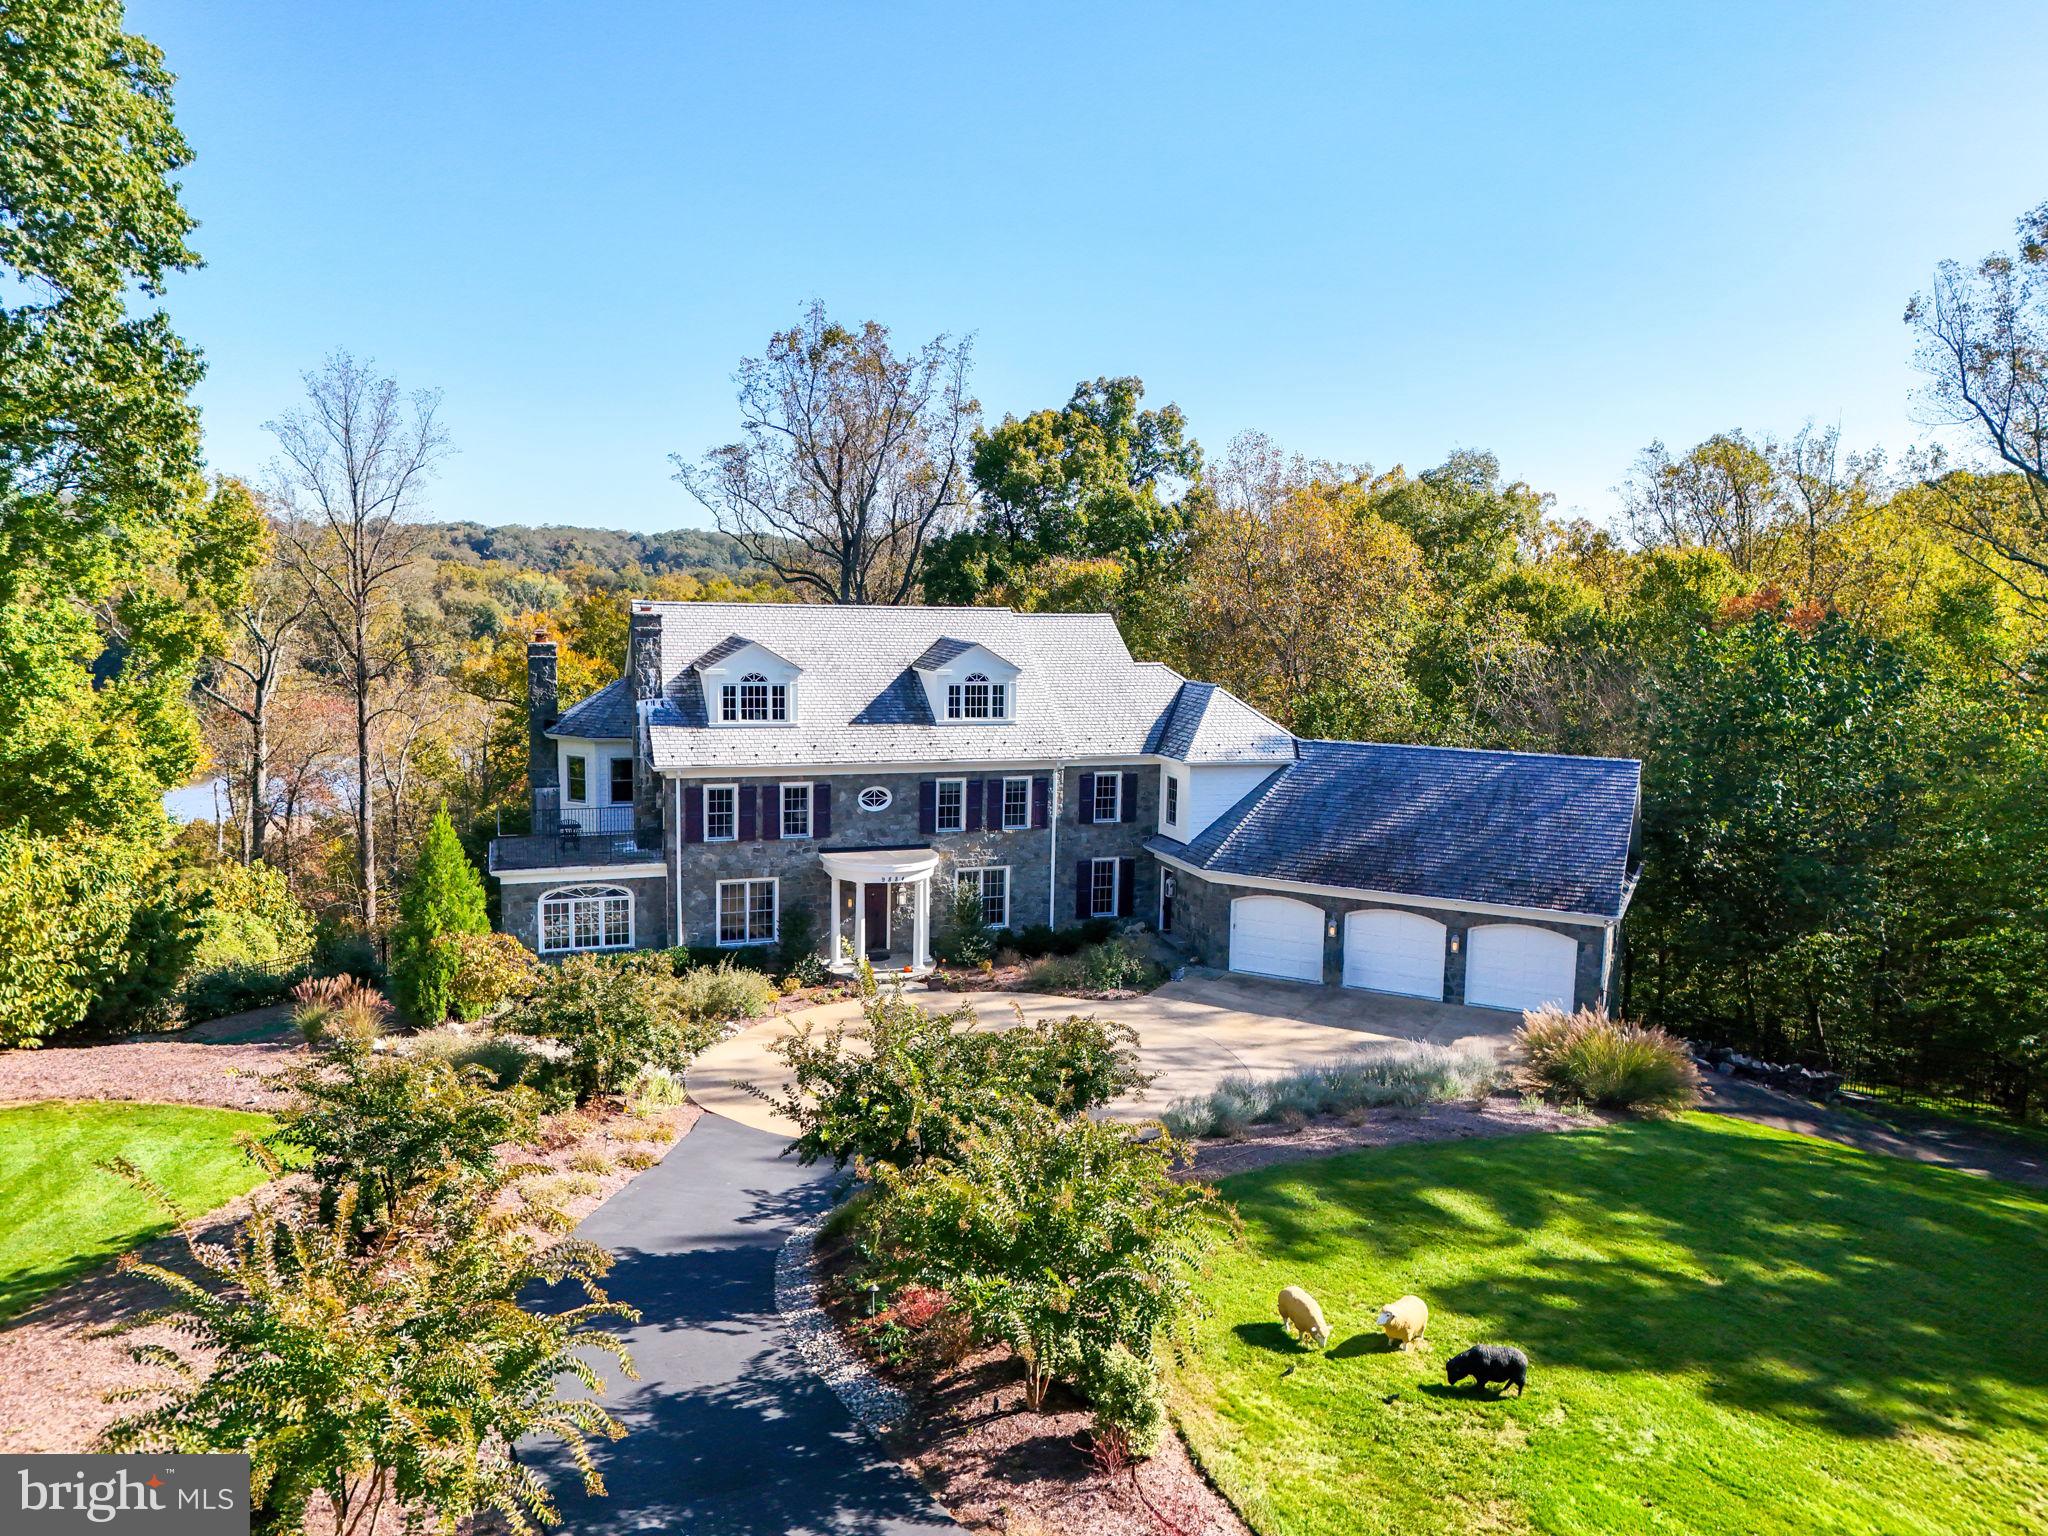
{"x": 693, "y": 551}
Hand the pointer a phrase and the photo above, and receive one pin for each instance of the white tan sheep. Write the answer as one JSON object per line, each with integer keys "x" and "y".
{"x": 1298, "y": 1310}
{"x": 1404, "y": 1320}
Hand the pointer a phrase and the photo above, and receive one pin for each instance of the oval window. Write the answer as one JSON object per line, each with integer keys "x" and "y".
{"x": 874, "y": 798}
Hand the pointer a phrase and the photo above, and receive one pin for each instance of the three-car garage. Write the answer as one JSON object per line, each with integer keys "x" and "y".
{"x": 1508, "y": 965}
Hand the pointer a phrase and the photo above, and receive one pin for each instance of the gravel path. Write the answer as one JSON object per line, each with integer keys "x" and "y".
{"x": 148, "y": 1072}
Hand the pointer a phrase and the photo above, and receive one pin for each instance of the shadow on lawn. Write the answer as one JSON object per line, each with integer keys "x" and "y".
{"x": 1866, "y": 1295}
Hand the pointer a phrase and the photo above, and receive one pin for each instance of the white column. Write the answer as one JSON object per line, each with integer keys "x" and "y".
{"x": 860, "y": 921}
{"x": 923, "y": 905}
{"x": 832, "y": 925}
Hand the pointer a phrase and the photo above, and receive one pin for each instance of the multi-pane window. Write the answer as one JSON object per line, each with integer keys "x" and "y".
{"x": 977, "y": 698}
{"x": 586, "y": 917}
{"x": 1102, "y": 887}
{"x": 746, "y": 911}
{"x": 579, "y": 778}
{"x": 754, "y": 699}
{"x": 1016, "y": 804}
{"x": 1172, "y": 801}
{"x": 796, "y": 810}
{"x": 721, "y": 813}
{"x": 1109, "y": 796}
{"x": 622, "y": 781}
{"x": 993, "y": 885}
{"x": 952, "y": 806}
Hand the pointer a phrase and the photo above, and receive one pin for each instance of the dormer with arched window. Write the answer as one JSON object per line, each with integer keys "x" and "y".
{"x": 746, "y": 684}
{"x": 967, "y": 684}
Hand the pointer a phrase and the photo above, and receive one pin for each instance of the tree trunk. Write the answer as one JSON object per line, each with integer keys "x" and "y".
{"x": 259, "y": 776}
{"x": 366, "y": 824}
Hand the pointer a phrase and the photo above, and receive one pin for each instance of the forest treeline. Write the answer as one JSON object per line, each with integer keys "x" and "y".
{"x": 1828, "y": 656}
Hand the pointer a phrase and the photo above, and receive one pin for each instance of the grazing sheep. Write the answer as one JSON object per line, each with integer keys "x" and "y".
{"x": 1299, "y": 1311}
{"x": 1404, "y": 1320}
{"x": 1489, "y": 1365}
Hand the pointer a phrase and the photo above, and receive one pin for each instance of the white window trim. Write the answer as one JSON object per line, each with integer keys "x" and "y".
{"x": 1115, "y": 879}
{"x": 611, "y": 768}
{"x": 782, "y": 812}
{"x": 705, "y": 812}
{"x": 1170, "y": 800}
{"x": 979, "y": 870}
{"x": 1095, "y": 816}
{"x": 569, "y": 778}
{"x": 939, "y": 805}
{"x": 718, "y": 911}
{"x": 562, "y": 892}
{"x": 1004, "y": 815}
{"x": 731, "y": 691}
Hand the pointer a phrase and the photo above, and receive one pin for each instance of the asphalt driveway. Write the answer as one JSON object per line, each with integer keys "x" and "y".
{"x": 730, "y": 1434}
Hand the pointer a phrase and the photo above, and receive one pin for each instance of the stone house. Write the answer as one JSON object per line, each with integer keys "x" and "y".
{"x": 763, "y": 771}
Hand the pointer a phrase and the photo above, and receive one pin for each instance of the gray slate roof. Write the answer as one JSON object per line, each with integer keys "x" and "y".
{"x": 939, "y": 652}
{"x": 1208, "y": 724}
{"x": 1079, "y": 693}
{"x": 1508, "y": 829}
{"x": 607, "y": 713}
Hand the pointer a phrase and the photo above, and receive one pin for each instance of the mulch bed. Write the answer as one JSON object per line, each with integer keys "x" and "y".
{"x": 150, "y": 1072}
{"x": 53, "y": 1392}
{"x": 1264, "y": 1145}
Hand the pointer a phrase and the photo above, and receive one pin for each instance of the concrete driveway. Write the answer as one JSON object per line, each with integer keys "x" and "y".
{"x": 1191, "y": 1034}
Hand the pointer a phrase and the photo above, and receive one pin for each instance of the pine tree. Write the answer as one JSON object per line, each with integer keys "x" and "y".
{"x": 445, "y": 896}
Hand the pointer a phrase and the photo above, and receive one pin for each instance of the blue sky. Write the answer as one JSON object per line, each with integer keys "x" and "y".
{"x": 1375, "y": 232}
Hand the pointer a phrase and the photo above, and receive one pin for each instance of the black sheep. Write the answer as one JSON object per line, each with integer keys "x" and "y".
{"x": 1499, "y": 1365}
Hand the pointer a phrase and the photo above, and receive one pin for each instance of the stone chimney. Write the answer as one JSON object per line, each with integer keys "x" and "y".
{"x": 542, "y": 711}
{"x": 643, "y": 667}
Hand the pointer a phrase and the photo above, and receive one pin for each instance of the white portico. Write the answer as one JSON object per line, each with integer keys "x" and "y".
{"x": 882, "y": 908}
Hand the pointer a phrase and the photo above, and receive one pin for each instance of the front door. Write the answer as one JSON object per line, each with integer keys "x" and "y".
{"x": 877, "y": 921}
{"x": 1166, "y": 901}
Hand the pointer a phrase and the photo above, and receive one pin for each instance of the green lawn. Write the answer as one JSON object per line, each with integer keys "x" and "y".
{"x": 60, "y": 1214}
{"x": 1729, "y": 1329}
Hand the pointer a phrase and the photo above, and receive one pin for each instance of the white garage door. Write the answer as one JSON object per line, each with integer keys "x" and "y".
{"x": 1272, "y": 936}
{"x": 1394, "y": 952}
{"x": 1510, "y": 965}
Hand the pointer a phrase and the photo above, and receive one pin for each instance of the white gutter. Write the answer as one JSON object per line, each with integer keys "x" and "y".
{"x": 1396, "y": 898}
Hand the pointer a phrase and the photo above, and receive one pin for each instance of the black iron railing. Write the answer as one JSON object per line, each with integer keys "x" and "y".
{"x": 568, "y": 835}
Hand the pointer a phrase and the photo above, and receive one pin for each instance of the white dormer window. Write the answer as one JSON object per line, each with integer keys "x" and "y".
{"x": 977, "y": 698}
{"x": 753, "y": 699}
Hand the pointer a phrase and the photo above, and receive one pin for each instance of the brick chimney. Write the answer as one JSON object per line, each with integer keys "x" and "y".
{"x": 542, "y": 711}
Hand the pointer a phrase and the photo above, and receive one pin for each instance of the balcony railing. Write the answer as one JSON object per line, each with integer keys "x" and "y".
{"x": 568, "y": 835}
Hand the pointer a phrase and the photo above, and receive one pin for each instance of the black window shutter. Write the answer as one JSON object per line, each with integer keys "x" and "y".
{"x": 693, "y": 813}
{"x": 927, "y": 806}
{"x": 1129, "y": 801}
{"x": 821, "y": 810}
{"x": 1041, "y": 801}
{"x": 771, "y": 812}
{"x": 994, "y": 803}
{"x": 973, "y": 794}
{"x": 1086, "y": 809}
{"x": 747, "y": 824}
{"x": 1082, "y": 884}
{"x": 1126, "y": 885}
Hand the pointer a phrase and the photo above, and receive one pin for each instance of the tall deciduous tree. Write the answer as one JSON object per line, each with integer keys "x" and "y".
{"x": 1098, "y": 478}
{"x": 99, "y": 443}
{"x": 1307, "y": 607}
{"x": 852, "y": 458}
{"x": 245, "y": 680}
{"x": 1983, "y": 344}
{"x": 350, "y": 477}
